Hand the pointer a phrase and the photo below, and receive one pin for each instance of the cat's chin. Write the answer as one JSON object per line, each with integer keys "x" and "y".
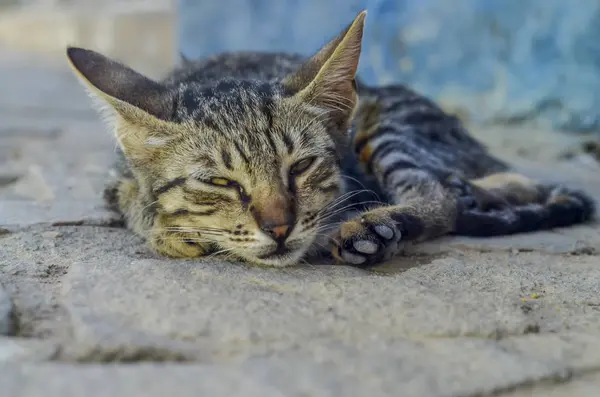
{"x": 288, "y": 258}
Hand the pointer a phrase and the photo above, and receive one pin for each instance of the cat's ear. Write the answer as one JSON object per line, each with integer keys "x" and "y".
{"x": 137, "y": 107}
{"x": 326, "y": 80}
{"x": 184, "y": 61}
{"x": 126, "y": 90}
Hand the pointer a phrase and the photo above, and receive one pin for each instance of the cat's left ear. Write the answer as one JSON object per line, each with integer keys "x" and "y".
{"x": 126, "y": 90}
{"x": 327, "y": 80}
{"x": 138, "y": 109}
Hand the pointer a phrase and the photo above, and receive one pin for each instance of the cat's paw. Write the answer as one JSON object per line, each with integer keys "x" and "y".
{"x": 472, "y": 198}
{"x": 462, "y": 190}
{"x": 367, "y": 240}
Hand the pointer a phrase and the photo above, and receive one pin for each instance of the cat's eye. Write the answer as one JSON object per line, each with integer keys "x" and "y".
{"x": 301, "y": 166}
{"x": 224, "y": 182}
{"x": 220, "y": 182}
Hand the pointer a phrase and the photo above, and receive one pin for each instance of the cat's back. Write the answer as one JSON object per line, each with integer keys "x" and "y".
{"x": 264, "y": 66}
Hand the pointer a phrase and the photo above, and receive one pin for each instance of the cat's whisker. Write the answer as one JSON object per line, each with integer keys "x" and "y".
{"x": 341, "y": 199}
{"x": 149, "y": 205}
{"x": 328, "y": 227}
{"x": 304, "y": 261}
{"x": 191, "y": 228}
{"x": 191, "y": 231}
{"x": 220, "y": 252}
{"x": 341, "y": 210}
{"x": 361, "y": 185}
{"x": 330, "y": 238}
{"x": 325, "y": 248}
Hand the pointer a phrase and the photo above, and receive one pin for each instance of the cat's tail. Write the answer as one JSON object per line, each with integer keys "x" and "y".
{"x": 556, "y": 206}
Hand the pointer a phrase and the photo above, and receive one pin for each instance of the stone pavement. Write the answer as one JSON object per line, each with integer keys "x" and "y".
{"x": 86, "y": 309}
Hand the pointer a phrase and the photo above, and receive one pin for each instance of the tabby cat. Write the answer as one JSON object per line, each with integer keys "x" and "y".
{"x": 269, "y": 157}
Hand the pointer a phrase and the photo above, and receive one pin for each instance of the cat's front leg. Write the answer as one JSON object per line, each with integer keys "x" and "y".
{"x": 378, "y": 235}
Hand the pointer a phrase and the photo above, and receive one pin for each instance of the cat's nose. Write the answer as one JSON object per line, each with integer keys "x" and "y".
{"x": 278, "y": 233}
{"x": 275, "y": 217}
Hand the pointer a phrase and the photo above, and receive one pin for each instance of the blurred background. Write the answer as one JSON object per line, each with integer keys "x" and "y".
{"x": 490, "y": 61}
{"x": 142, "y": 33}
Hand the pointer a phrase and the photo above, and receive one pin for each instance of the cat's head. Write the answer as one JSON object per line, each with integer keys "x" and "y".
{"x": 251, "y": 165}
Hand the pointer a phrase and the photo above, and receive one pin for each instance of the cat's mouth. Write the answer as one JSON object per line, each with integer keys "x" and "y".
{"x": 281, "y": 256}
{"x": 280, "y": 252}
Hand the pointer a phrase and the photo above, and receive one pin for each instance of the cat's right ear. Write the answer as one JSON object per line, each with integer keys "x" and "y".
{"x": 327, "y": 79}
{"x": 124, "y": 89}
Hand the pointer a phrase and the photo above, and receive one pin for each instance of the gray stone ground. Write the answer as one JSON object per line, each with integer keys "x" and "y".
{"x": 514, "y": 316}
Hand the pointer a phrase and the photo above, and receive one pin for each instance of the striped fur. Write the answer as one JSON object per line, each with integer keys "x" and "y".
{"x": 269, "y": 157}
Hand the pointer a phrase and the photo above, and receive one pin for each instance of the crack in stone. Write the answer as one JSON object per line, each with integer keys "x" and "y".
{"x": 560, "y": 377}
{"x": 575, "y": 251}
{"x": 123, "y": 354}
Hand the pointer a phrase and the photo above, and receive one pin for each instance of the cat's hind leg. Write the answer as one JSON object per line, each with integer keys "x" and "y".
{"x": 521, "y": 204}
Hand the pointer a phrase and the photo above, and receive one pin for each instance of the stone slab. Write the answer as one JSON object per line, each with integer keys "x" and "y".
{"x": 452, "y": 326}
{"x": 434, "y": 368}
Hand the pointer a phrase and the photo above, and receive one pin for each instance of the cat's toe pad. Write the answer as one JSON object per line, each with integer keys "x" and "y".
{"x": 365, "y": 246}
{"x": 384, "y": 231}
{"x": 366, "y": 241}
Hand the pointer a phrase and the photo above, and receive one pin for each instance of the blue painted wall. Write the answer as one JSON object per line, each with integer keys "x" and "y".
{"x": 492, "y": 60}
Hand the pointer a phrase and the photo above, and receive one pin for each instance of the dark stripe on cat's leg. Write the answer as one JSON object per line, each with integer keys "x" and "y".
{"x": 486, "y": 224}
{"x": 423, "y": 117}
{"x": 381, "y": 150}
{"x": 412, "y": 227}
{"x": 403, "y": 103}
{"x": 397, "y": 165}
{"x": 169, "y": 185}
{"x": 360, "y": 143}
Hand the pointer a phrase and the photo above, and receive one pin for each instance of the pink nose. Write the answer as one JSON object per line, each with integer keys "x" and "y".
{"x": 276, "y": 218}
{"x": 278, "y": 233}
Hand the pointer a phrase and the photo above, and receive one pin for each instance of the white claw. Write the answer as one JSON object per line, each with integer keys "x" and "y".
{"x": 352, "y": 259}
{"x": 384, "y": 231}
{"x": 365, "y": 246}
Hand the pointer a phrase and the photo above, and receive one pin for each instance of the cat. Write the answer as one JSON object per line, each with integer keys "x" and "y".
{"x": 270, "y": 157}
